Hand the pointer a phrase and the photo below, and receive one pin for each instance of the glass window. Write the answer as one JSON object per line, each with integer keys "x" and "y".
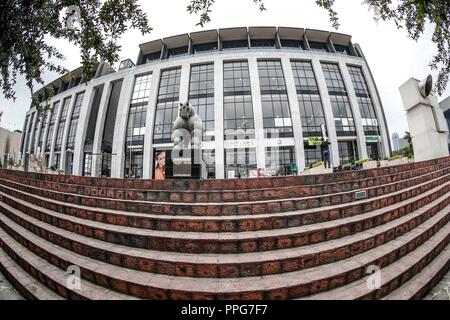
{"x": 24, "y": 145}
{"x": 262, "y": 43}
{"x": 74, "y": 121}
{"x": 292, "y": 44}
{"x": 240, "y": 163}
{"x": 87, "y": 164}
{"x": 45, "y": 120}
{"x": 167, "y": 105}
{"x": 275, "y": 105}
{"x": 340, "y": 103}
{"x": 238, "y": 106}
{"x": 201, "y": 96}
{"x": 318, "y": 46}
{"x": 62, "y": 122}
{"x": 177, "y": 51}
{"x": 347, "y": 151}
{"x": 312, "y": 154}
{"x": 342, "y": 49}
{"x": 205, "y": 47}
{"x": 152, "y": 56}
{"x": 365, "y": 102}
{"x": 57, "y": 160}
{"x": 311, "y": 109}
{"x": 278, "y": 160}
{"x": 372, "y": 150}
{"x": 51, "y": 129}
{"x": 35, "y": 134}
{"x": 234, "y": 44}
{"x": 134, "y": 140}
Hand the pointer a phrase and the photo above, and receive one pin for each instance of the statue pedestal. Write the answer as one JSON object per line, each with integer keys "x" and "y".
{"x": 426, "y": 122}
{"x": 188, "y": 165}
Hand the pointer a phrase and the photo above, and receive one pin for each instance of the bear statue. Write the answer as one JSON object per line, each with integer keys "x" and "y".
{"x": 189, "y": 122}
{"x": 187, "y": 134}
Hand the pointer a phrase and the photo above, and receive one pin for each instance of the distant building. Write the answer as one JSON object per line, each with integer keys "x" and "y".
{"x": 445, "y": 106}
{"x": 9, "y": 146}
{"x": 395, "y": 141}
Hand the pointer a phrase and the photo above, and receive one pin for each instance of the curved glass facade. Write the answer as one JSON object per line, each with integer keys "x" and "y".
{"x": 265, "y": 103}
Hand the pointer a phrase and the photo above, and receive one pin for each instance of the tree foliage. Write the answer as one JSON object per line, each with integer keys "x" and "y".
{"x": 411, "y": 15}
{"x": 94, "y": 26}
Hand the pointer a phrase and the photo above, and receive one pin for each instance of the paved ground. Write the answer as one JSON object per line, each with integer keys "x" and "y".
{"x": 441, "y": 291}
{"x": 7, "y": 292}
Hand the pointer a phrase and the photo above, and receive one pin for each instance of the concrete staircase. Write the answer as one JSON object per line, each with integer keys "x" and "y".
{"x": 270, "y": 238}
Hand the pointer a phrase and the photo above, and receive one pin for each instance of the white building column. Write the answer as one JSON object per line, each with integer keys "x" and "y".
{"x": 149, "y": 124}
{"x": 26, "y": 139}
{"x": 120, "y": 127}
{"x": 257, "y": 113}
{"x": 22, "y": 140}
{"x": 360, "y": 136}
{"x": 99, "y": 126}
{"x": 34, "y": 115}
{"x": 83, "y": 122}
{"x": 184, "y": 81}
{"x": 295, "y": 113}
{"x": 46, "y": 128}
{"x": 55, "y": 130}
{"x": 39, "y": 133}
{"x": 218, "y": 119}
{"x": 328, "y": 111}
{"x": 378, "y": 110}
{"x": 62, "y": 162}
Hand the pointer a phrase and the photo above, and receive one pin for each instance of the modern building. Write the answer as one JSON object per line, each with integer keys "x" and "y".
{"x": 445, "y": 106}
{"x": 266, "y": 96}
{"x": 9, "y": 146}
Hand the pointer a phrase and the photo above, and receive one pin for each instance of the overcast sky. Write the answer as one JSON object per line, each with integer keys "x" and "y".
{"x": 392, "y": 56}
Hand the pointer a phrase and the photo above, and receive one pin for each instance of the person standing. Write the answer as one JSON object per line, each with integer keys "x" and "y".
{"x": 325, "y": 146}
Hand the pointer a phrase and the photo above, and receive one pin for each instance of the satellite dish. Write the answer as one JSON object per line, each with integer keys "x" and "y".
{"x": 425, "y": 86}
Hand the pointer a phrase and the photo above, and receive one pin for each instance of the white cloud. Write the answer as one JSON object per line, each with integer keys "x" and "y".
{"x": 392, "y": 56}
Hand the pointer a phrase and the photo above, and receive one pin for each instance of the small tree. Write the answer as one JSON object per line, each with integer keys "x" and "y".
{"x": 408, "y": 151}
{"x": 11, "y": 162}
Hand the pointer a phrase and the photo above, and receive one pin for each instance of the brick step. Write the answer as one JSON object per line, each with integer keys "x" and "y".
{"x": 228, "y": 184}
{"x": 237, "y": 223}
{"x": 194, "y": 196}
{"x": 51, "y": 276}
{"x": 404, "y": 278}
{"x": 23, "y": 282}
{"x": 231, "y": 221}
{"x": 419, "y": 285}
{"x": 204, "y": 242}
{"x": 225, "y": 265}
{"x": 172, "y": 206}
{"x": 224, "y": 224}
{"x": 280, "y": 286}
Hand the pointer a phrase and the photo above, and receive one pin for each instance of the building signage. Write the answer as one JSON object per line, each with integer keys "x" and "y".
{"x": 231, "y": 144}
{"x": 371, "y": 139}
{"x": 314, "y": 141}
{"x": 135, "y": 148}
